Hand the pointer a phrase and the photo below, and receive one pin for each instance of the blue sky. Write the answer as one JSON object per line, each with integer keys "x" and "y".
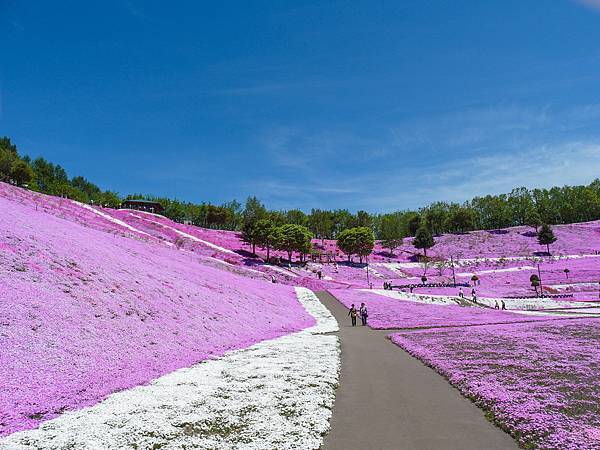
{"x": 375, "y": 105}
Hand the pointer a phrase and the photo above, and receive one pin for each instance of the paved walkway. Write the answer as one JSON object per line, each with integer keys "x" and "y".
{"x": 390, "y": 400}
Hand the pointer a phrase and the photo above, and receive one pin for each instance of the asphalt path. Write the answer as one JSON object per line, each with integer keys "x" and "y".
{"x": 389, "y": 400}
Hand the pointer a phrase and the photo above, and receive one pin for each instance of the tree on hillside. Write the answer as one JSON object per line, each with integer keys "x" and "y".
{"x": 217, "y": 216}
{"x": 21, "y": 172}
{"x": 265, "y": 233}
{"x": 345, "y": 242}
{"x": 391, "y": 232}
{"x": 320, "y": 224}
{"x": 460, "y": 220}
{"x": 8, "y": 157}
{"x": 296, "y": 217}
{"x": 253, "y": 212}
{"x": 365, "y": 241}
{"x": 436, "y": 215}
{"x": 535, "y": 283}
{"x": 363, "y": 219}
{"x": 423, "y": 239}
{"x": 546, "y": 236}
{"x": 249, "y": 235}
{"x": 293, "y": 238}
{"x": 414, "y": 222}
{"x": 520, "y": 204}
{"x": 356, "y": 241}
{"x": 110, "y": 199}
{"x": 491, "y": 212}
{"x": 533, "y": 219}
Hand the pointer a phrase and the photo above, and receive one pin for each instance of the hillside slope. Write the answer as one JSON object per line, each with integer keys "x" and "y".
{"x": 89, "y": 307}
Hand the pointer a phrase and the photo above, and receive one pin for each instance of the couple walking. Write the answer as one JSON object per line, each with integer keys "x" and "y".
{"x": 362, "y": 312}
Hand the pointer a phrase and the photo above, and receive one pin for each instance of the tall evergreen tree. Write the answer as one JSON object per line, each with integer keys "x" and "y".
{"x": 423, "y": 239}
{"x": 546, "y": 236}
{"x": 391, "y": 232}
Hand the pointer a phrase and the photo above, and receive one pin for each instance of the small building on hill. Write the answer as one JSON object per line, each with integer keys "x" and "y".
{"x": 143, "y": 205}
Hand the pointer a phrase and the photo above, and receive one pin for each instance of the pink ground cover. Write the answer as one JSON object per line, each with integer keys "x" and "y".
{"x": 538, "y": 381}
{"x": 388, "y": 313}
{"x": 87, "y": 310}
{"x": 513, "y": 242}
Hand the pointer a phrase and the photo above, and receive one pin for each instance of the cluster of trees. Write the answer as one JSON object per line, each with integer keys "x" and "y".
{"x": 533, "y": 207}
{"x": 13, "y": 169}
{"x": 356, "y": 241}
{"x": 264, "y": 229}
{"x": 43, "y": 176}
{"x": 227, "y": 216}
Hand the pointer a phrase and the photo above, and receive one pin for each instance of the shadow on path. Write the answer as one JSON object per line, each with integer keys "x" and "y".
{"x": 390, "y": 400}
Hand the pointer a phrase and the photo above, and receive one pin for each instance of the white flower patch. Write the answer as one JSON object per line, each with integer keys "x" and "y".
{"x": 112, "y": 219}
{"x": 573, "y": 285}
{"x": 374, "y": 272}
{"x": 326, "y": 323}
{"x": 532, "y": 303}
{"x": 396, "y": 266}
{"x": 516, "y": 305}
{"x": 419, "y": 298}
{"x": 275, "y": 394}
{"x": 287, "y": 272}
{"x": 508, "y": 269}
{"x": 190, "y": 236}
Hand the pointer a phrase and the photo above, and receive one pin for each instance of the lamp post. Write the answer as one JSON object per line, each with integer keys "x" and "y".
{"x": 540, "y": 277}
{"x": 453, "y": 274}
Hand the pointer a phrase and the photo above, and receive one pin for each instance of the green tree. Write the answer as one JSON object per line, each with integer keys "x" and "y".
{"x": 535, "y": 282}
{"x": 413, "y": 224}
{"x": 533, "y": 219}
{"x": 423, "y": 239}
{"x": 356, "y": 241}
{"x": 110, "y": 199}
{"x": 265, "y": 232}
{"x": 460, "y": 220}
{"x": 217, "y": 216}
{"x": 293, "y": 238}
{"x": 345, "y": 242}
{"x": 546, "y": 236}
{"x": 253, "y": 212}
{"x": 21, "y": 172}
{"x": 436, "y": 215}
{"x": 8, "y": 157}
{"x": 391, "y": 232}
{"x": 365, "y": 241}
{"x": 363, "y": 219}
{"x": 321, "y": 224}
{"x": 296, "y": 217}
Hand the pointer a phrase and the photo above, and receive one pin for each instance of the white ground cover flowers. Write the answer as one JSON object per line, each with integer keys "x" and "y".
{"x": 275, "y": 394}
{"x": 514, "y": 304}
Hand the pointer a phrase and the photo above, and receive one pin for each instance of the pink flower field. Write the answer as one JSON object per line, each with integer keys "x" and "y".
{"x": 89, "y": 307}
{"x": 388, "y": 313}
{"x": 538, "y": 381}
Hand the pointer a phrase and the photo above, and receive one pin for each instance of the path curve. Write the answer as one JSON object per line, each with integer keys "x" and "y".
{"x": 390, "y": 400}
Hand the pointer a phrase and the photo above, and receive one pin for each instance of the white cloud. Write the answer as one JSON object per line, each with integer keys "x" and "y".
{"x": 594, "y": 4}
{"x": 451, "y": 156}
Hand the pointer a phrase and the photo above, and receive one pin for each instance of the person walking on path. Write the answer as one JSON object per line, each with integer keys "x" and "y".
{"x": 503, "y": 305}
{"x": 461, "y": 294}
{"x": 363, "y": 314}
{"x": 352, "y": 313}
{"x": 496, "y": 306}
